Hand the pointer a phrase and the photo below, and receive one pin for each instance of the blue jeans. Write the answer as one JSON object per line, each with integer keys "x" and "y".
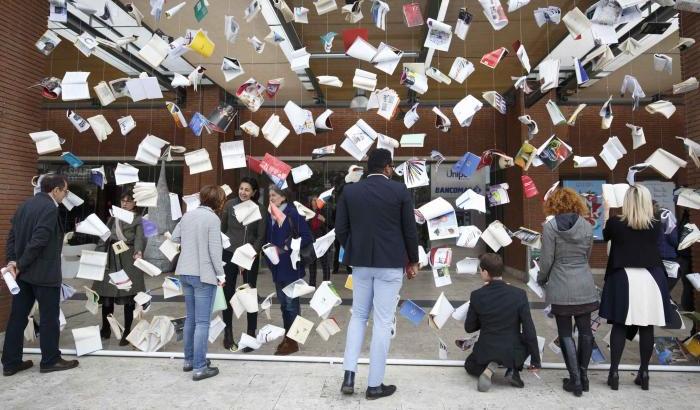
{"x": 290, "y": 307}
{"x": 199, "y": 302}
{"x": 372, "y": 288}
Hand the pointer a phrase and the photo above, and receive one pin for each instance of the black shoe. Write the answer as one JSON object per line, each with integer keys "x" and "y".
{"x": 513, "y": 378}
{"x": 22, "y": 366}
{"x": 228, "y": 339}
{"x": 123, "y": 341}
{"x": 642, "y": 379}
{"x": 573, "y": 383}
{"x": 205, "y": 374}
{"x": 247, "y": 349}
{"x": 105, "y": 332}
{"x": 380, "y": 391}
{"x": 348, "y": 386}
{"x": 613, "y": 380}
{"x": 60, "y": 365}
{"x": 188, "y": 367}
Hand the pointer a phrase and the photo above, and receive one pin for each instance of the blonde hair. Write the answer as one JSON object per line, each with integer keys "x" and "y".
{"x": 637, "y": 208}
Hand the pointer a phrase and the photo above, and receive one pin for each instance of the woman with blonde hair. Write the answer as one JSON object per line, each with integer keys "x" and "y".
{"x": 635, "y": 295}
{"x": 567, "y": 238}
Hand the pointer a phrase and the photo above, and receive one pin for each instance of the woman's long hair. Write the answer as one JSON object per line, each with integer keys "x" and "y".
{"x": 637, "y": 208}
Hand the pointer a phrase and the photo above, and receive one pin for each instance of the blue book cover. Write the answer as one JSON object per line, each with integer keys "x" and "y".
{"x": 466, "y": 165}
{"x": 412, "y": 312}
{"x": 72, "y": 160}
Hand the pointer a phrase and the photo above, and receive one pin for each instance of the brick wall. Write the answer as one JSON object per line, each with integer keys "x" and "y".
{"x": 21, "y": 66}
{"x": 690, "y": 66}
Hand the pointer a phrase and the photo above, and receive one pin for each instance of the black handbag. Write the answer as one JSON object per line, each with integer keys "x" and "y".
{"x": 307, "y": 254}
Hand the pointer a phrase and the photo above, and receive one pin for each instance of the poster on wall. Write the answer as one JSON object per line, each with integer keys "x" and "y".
{"x": 592, "y": 193}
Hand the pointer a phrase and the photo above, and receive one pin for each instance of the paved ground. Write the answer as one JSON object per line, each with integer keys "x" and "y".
{"x": 106, "y": 382}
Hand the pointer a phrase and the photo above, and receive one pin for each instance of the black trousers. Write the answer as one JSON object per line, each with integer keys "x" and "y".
{"x": 49, "y": 329}
{"x": 251, "y": 278}
{"x": 325, "y": 267}
{"x": 475, "y": 369}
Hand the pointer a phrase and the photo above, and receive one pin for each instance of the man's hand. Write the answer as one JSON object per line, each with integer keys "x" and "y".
{"x": 138, "y": 255}
{"x": 13, "y": 269}
{"x": 534, "y": 370}
{"x": 411, "y": 270}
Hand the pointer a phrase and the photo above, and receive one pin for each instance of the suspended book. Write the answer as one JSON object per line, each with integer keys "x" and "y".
{"x": 613, "y": 150}
{"x": 693, "y": 150}
{"x": 415, "y": 174}
{"x": 250, "y": 94}
{"x": 323, "y": 121}
{"x": 126, "y": 174}
{"x": 47, "y": 42}
{"x": 274, "y": 131}
{"x": 516, "y": 4}
{"x": 411, "y": 116}
{"x": 378, "y": 12}
{"x": 126, "y": 124}
{"x": 631, "y": 85}
{"x": 466, "y": 165}
{"x": 325, "y": 6}
{"x": 553, "y": 152}
{"x": 464, "y": 20}
{"x": 497, "y": 194}
{"x": 465, "y": 110}
{"x": 495, "y": 100}
{"x": 581, "y": 74}
{"x": 521, "y": 84}
{"x": 353, "y": 11}
{"x": 550, "y": 14}
{"x": 522, "y": 55}
{"x": 576, "y": 22}
{"x": 525, "y": 156}
{"x": 548, "y": 74}
{"x": 412, "y": 14}
{"x": 413, "y": 77}
{"x": 302, "y": 120}
{"x": 441, "y": 121}
{"x": 494, "y": 57}
{"x": 387, "y": 143}
{"x": 386, "y": 101}
{"x": 572, "y": 119}
{"x": 663, "y": 107}
{"x": 638, "y": 138}
{"x": 231, "y": 68}
{"x": 251, "y": 10}
{"x": 250, "y": 128}
{"x": 323, "y": 151}
{"x": 72, "y": 160}
{"x": 494, "y": 13}
{"x": 555, "y": 113}
{"x": 273, "y": 87}
{"x": 686, "y": 86}
{"x": 665, "y": 163}
{"x": 176, "y": 113}
{"x": 461, "y": 69}
{"x": 329, "y": 80}
{"x": 198, "y": 161}
{"x": 386, "y": 58}
{"x": 532, "y": 128}
{"x": 439, "y": 35}
{"x": 46, "y": 141}
{"x": 149, "y": 150}
{"x": 364, "y": 80}
{"x": 198, "y": 123}
{"x": 606, "y": 114}
{"x": 301, "y": 15}
{"x": 221, "y": 117}
{"x": 503, "y": 161}
{"x": 327, "y": 41}
{"x": 199, "y": 42}
{"x": 438, "y": 75}
{"x": 231, "y": 28}
{"x": 258, "y": 45}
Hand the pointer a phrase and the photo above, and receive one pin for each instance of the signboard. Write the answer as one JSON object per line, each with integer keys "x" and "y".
{"x": 450, "y": 185}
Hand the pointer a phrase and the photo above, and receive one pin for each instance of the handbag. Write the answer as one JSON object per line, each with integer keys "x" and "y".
{"x": 307, "y": 254}
{"x": 219, "y": 300}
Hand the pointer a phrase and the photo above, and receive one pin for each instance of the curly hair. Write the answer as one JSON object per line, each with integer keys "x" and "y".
{"x": 565, "y": 201}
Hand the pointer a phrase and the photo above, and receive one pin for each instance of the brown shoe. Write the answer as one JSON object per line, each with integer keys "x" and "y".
{"x": 60, "y": 365}
{"x": 287, "y": 347}
{"x": 14, "y": 370}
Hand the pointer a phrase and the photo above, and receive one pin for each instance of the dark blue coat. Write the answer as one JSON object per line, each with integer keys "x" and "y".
{"x": 376, "y": 225}
{"x": 280, "y": 236}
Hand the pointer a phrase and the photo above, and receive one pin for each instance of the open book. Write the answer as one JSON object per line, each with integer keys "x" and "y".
{"x": 496, "y": 236}
{"x": 92, "y": 265}
{"x": 665, "y": 163}
{"x": 441, "y": 312}
{"x": 615, "y": 194}
{"x": 441, "y": 219}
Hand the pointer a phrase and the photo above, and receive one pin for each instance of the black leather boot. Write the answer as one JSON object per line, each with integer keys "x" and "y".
{"x": 642, "y": 379}
{"x": 585, "y": 349}
{"x": 228, "y": 338}
{"x": 573, "y": 383}
{"x": 348, "y": 386}
{"x": 380, "y": 391}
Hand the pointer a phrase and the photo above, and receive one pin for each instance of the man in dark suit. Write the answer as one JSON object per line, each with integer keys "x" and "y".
{"x": 499, "y": 311}
{"x": 376, "y": 227}
{"x": 34, "y": 258}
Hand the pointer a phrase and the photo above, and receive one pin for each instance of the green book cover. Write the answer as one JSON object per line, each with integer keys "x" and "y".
{"x": 200, "y": 10}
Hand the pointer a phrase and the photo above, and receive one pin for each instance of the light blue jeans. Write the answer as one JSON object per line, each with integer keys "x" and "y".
{"x": 372, "y": 288}
{"x": 199, "y": 302}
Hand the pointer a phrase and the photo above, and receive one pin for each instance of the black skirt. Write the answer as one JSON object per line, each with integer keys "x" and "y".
{"x": 574, "y": 310}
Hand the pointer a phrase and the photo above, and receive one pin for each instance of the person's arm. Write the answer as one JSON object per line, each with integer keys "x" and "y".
{"x": 342, "y": 221}
{"x": 472, "y": 324}
{"x": 261, "y": 231}
{"x": 304, "y": 231}
{"x": 408, "y": 227}
{"x": 40, "y": 237}
{"x": 177, "y": 233}
{"x": 139, "y": 241}
{"x": 529, "y": 332}
{"x": 224, "y": 218}
{"x": 608, "y": 229}
{"x": 215, "y": 246}
{"x": 546, "y": 254}
{"x": 10, "y": 254}
{"x": 672, "y": 238}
